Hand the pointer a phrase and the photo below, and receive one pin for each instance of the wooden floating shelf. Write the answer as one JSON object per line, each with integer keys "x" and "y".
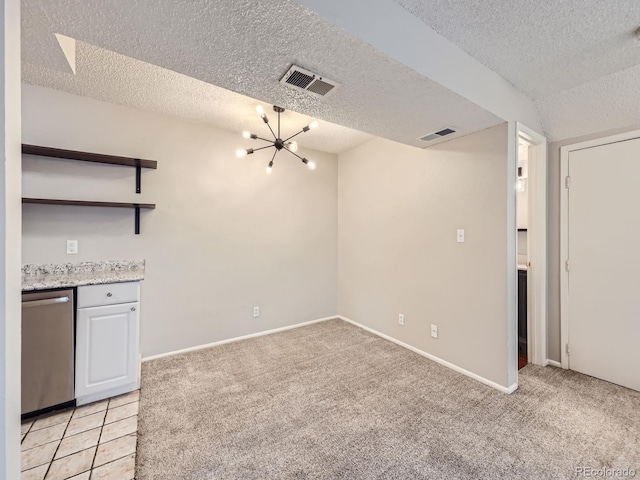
{"x": 85, "y": 203}
{"x": 137, "y": 163}
{"x": 87, "y": 157}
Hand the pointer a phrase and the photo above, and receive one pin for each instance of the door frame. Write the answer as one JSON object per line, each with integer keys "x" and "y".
{"x": 537, "y": 239}
{"x": 564, "y": 230}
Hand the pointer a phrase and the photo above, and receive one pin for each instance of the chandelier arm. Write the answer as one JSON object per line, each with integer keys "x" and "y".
{"x": 274, "y": 155}
{"x": 294, "y": 135}
{"x": 262, "y": 148}
{"x": 264, "y": 139}
{"x": 294, "y": 153}
{"x": 272, "y": 132}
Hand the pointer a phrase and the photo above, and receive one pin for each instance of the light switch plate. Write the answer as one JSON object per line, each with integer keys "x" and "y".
{"x": 460, "y": 235}
{"x": 434, "y": 331}
{"x": 72, "y": 247}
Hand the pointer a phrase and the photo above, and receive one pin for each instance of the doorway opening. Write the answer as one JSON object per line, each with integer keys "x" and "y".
{"x": 528, "y": 260}
{"x": 522, "y": 218}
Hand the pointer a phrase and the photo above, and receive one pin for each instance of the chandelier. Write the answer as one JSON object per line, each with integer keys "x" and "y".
{"x": 277, "y": 143}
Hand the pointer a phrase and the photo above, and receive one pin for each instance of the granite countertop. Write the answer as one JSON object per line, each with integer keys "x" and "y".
{"x": 45, "y": 276}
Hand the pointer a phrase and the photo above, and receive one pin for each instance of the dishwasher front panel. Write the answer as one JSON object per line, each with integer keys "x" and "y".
{"x": 47, "y": 349}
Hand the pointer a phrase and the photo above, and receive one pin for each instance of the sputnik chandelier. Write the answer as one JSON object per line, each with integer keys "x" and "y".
{"x": 278, "y": 143}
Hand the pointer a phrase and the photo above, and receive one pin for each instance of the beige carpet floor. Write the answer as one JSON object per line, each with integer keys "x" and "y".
{"x": 332, "y": 401}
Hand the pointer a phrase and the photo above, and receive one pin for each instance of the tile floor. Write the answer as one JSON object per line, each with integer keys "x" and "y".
{"x": 95, "y": 441}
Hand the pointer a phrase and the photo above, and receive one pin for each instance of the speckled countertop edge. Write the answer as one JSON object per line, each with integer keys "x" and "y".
{"x": 46, "y": 276}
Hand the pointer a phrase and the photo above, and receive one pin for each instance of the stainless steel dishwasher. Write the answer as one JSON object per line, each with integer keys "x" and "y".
{"x": 47, "y": 349}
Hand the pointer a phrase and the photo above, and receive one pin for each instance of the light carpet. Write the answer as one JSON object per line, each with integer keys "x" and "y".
{"x": 331, "y": 401}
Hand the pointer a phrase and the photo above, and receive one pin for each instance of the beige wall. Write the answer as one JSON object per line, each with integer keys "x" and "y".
{"x": 399, "y": 209}
{"x": 554, "y": 184}
{"x": 225, "y": 235}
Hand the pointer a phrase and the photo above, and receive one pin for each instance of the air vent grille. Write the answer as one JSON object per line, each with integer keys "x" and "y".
{"x": 429, "y": 137}
{"x": 302, "y": 79}
{"x": 320, "y": 87}
{"x": 299, "y": 79}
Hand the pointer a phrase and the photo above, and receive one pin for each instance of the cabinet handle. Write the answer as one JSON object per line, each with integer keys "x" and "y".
{"x": 133, "y": 309}
{"x": 109, "y": 294}
{"x": 47, "y": 301}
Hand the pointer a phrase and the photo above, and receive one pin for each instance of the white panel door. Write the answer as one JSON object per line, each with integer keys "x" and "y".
{"x": 604, "y": 262}
{"x": 106, "y": 348}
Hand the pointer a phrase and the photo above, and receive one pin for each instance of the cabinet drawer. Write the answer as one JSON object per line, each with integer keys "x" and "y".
{"x": 109, "y": 294}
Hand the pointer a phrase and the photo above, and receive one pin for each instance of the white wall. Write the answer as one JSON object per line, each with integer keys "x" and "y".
{"x": 554, "y": 186}
{"x": 10, "y": 324}
{"x": 225, "y": 236}
{"x": 522, "y": 215}
{"x": 523, "y": 208}
{"x": 399, "y": 209}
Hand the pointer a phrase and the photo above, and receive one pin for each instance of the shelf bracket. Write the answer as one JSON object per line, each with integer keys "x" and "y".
{"x": 138, "y": 175}
{"x": 137, "y": 218}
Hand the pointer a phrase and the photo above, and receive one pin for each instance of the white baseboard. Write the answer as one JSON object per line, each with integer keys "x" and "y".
{"x": 552, "y": 363}
{"x": 458, "y": 369}
{"x": 237, "y": 339}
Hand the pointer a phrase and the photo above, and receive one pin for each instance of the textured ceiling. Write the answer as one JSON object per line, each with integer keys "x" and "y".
{"x": 243, "y": 46}
{"x": 541, "y": 47}
{"x": 39, "y": 48}
{"x": 115, "y": 78}
{"x": 602, "y": 104}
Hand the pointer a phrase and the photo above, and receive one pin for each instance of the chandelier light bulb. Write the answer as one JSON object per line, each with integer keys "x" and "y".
{"x": 246, "y": 134}
{"x": 260, "y": 111}
{"x": 311, "y": 165}
{"x": 270, "y": 166}
{"x": 313, "y": 124}
{"x": 240, "y": 153}
{"x": 293, "y": 146}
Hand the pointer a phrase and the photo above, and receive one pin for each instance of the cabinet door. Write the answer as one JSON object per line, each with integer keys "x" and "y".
{"x": 106, "y": 347}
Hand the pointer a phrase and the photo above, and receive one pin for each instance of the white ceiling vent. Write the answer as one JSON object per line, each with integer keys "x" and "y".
{"x": 439, "y": 134}
{"x": 302, "y": 79}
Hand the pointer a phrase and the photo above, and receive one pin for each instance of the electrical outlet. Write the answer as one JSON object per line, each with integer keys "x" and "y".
{"x": 72, "y": 247}
{"x": 256, "y": 312}
{"x": 434, "y": 331}
{"x": 401, "y": 319}
{"x": 460, "y": 235}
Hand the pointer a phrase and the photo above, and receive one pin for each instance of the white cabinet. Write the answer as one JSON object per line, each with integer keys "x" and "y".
{"x": 107, "y": 341}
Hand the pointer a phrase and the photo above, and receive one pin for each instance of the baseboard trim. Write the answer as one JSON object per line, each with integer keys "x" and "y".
{"x": 552, "y": 363}
{"x": 237, "y": 339}
{"x": 509, "y": 390}
{"x": 442, "y": 362}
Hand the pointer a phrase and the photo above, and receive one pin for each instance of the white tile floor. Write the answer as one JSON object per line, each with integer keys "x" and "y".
{"x": 96, "y": 441}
